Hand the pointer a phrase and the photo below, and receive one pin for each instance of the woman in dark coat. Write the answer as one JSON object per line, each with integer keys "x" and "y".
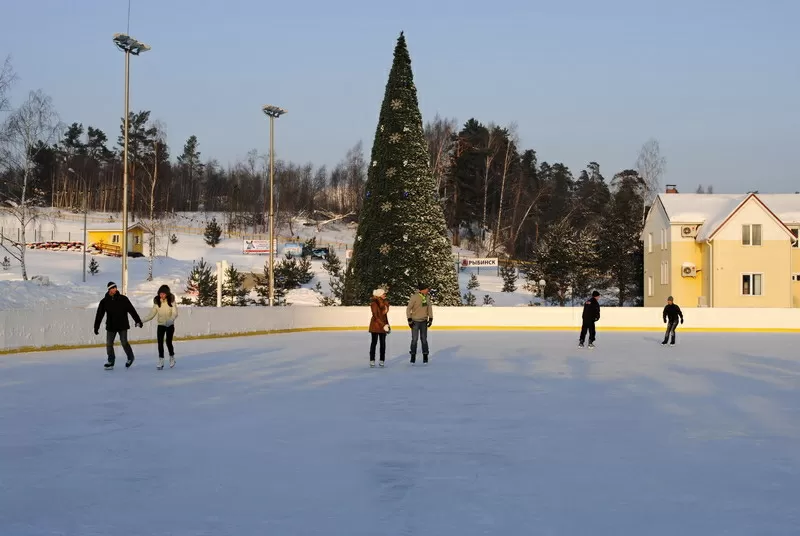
{"x": 378, "y": 325}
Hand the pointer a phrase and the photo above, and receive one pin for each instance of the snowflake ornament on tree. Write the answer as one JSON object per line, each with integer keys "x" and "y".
{"x": 390, "y": 172}
{"x": 385, "y": 248}
{"x": 394, "y": 138}
{"x": 386, "y": 207}
{"x": 396, "y": 104}
{"x": 374, "y": 163}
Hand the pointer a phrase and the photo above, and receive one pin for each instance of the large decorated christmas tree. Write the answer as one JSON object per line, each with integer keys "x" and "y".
{"x": 402, "y": 234}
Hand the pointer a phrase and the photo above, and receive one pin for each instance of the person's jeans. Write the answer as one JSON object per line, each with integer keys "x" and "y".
{"x": 168, "y": 331}
{"x": 375, "y": 338}
{"x": 123, "y": 340}
{"x": 671, "y": 327}
{"x": 588, "y": 325}
{"x": 419, "y": 330}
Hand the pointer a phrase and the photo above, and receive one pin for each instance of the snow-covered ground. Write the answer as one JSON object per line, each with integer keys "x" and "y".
{"x": 64, "y": 268}
{"x": 504, "y": 433}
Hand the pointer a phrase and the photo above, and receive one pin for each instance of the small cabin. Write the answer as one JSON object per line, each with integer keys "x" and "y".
{"x": 109, "y": 239}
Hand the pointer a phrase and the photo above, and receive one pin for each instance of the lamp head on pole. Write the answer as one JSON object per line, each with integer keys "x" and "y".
{"x": 272, "y": 111}
{"x": 542, "y": 282}
{"x": 126, "y": 43}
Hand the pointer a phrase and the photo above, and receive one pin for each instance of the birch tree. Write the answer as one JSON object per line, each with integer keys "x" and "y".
{"x": 651, "y": 167}
{"x": 29, "y": 129}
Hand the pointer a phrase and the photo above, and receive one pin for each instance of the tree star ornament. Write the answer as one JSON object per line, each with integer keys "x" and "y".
{"x": 385, "y": 248}
{"x": 394, "y": 138}
{"x": 386, "y": 207}
{"x": 396, "y": 104}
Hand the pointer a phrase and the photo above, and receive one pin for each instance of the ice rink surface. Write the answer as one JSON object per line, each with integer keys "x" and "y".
{"x": 504, "y": 433}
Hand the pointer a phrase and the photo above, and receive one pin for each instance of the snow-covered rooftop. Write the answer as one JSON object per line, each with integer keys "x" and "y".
{"x": 711, "y": 210}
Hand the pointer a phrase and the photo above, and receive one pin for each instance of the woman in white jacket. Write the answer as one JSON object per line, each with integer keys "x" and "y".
{"x": 165, "y": 308}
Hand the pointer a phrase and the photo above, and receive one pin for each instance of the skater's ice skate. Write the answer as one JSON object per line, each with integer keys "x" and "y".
{"x": 160, "y": 365}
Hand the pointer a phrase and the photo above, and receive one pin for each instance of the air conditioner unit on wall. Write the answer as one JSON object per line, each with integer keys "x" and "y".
{"x": 688, "y": 269}
{"x": 689, "y": 231}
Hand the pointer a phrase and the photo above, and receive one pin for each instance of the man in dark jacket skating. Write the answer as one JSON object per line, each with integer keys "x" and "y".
{"x": 116, "y": 309}
{"x": 671, "y": 312}
{"x": 591, "y": 314}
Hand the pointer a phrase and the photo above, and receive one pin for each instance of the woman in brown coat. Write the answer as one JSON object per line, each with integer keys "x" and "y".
{"x": 378, "y": 324}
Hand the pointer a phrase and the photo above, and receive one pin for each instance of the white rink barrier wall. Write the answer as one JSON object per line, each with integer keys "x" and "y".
{"x": 55, "y": 329}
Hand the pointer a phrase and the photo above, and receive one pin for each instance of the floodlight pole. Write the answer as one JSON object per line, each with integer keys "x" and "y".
{"x": 272, "y": 112}
{"x": 129, "y": 46}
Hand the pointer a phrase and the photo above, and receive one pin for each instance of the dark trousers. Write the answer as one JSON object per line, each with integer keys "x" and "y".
{"x": 168, "y": 331}
{"x": 419, "y": 330}
{"x": 123, "y": 340}
{"x": 588, "y": 325}
{"x": 671, "y": 327}
{"x": 375, "y": 338}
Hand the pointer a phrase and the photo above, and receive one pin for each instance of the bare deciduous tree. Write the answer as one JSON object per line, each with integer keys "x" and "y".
{"x": 439, "y": 134}
{"x": 651, "y": 167}
{"x": 7, "y": 78}
{"x": 153, "y": 224}
{"x": 30, "y": 129}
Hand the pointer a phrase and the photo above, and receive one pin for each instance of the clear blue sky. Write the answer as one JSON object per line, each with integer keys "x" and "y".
{"x": 716, "y": 82}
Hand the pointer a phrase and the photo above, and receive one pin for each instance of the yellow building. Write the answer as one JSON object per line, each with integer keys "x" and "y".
{"x": 722, "y": 250}
{"x": 109, "y": 239}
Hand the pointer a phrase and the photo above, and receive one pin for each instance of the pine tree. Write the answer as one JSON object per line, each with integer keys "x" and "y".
{"x": 509, "y": 274}
{"x": 333, "y": 265}
{"x": 620, "y": 247}
{"x": 566, "y": 258}
{"x": 203, "y": 283}
{"x": 233, "y": 291}
{"x": 402, "y": 235}
{"x": 213, "y": 234}
{"x": 469, "y": 299}
{"x": 488, "y": 300}
{"x": 473, "y": 282}
{"x": 94, "y": 267}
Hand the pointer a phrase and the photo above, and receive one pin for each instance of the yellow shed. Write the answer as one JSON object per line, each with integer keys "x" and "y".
{"x": 109, "y": 239}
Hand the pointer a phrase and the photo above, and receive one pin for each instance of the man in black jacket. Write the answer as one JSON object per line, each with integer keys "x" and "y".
{"x": 591, "y": 314}
{"x": 671, "y": 312}
{"x": 116, "y": 309}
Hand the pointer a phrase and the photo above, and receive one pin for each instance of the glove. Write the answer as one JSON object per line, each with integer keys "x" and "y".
{"x": 681, "y": 320}
{"x": 430, "y": 321}
{"x": 96, "y": 331}
{"x": 665, "y": 320}
{"x": 410, "y": 323}
{"x": 139, "y": 325}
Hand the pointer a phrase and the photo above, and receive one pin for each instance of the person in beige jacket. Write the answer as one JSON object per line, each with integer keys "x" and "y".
{"x": 166, "y": 311}
{"x": 420, "y": 317}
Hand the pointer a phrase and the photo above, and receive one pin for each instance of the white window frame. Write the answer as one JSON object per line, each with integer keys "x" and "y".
{"x": 649, "y": 242}
{"x": 649, "y": 286}
{"x": 751, "y": 274}
{"x": 115, "y": 239}
{"x": 665, "y": 272}
{"x": 663, "y": 239}
{"x": 750, "y": 227}
{"x": 796, "y": 232}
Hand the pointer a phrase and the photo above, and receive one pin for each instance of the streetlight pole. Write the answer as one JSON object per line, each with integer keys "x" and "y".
{"x": 272, "y": 112}
{"x": 85, "y": 210}
{"x": 129, "y": 46}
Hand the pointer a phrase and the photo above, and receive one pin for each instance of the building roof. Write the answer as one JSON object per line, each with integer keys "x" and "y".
{"x": 108, "y": 228}
{"x": 713, "y": 210}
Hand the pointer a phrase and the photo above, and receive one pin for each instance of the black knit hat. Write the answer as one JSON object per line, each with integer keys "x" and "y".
{"x": 111, "y": 285}
{"x": 595, "y": 294}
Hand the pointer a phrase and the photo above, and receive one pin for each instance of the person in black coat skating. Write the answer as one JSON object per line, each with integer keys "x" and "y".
{"x": 671, "y": 312}
{"x": 591, "y": 314}
{"x": 116, "y": 309}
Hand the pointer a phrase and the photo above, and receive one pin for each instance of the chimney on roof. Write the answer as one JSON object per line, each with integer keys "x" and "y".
{"x": 672, "y": 189}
